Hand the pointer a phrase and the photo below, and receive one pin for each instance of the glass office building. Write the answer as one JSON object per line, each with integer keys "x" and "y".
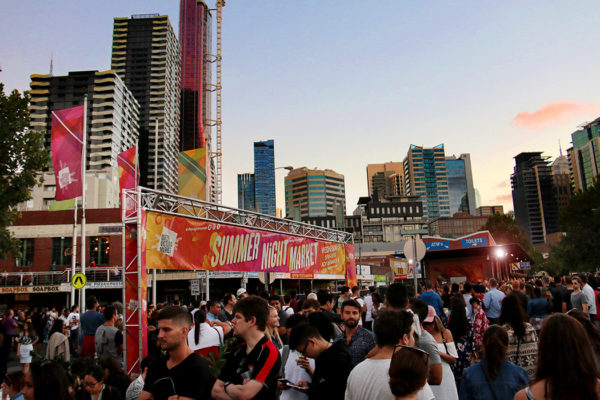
{"x": 264, "y": 177}
{"x": 460, "y": 184}
{"x": 246, "y": 192}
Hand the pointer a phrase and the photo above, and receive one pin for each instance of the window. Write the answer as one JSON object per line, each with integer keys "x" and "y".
{"x": 99, "y": 250}
{"x": 26, "y": 257}
{"x": 62, "y": 250}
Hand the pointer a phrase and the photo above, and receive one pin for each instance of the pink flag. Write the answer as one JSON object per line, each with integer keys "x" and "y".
{"x": 129, "y": 174}
{"x": 67, "y": 146}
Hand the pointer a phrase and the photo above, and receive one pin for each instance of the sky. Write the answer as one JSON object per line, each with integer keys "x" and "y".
{"x": 342, "y": 84}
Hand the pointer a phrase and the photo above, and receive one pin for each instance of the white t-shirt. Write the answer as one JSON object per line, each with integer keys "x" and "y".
{"x": 288, "y": 309}
{"x": 73, "y": 320}
{"x": 362, "y": 303}
{"x": 370, "y": 380}
{"x": 209, "y": 337}
{"x": 369, "y": 313}
{"x": 295, "y": 373}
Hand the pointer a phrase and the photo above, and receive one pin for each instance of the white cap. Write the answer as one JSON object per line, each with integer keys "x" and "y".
{"x": 240, "y": 292}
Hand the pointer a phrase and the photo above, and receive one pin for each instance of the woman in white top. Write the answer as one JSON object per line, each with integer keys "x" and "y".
{"x": 447, "y": 389}
{"x": 203, "y": 336}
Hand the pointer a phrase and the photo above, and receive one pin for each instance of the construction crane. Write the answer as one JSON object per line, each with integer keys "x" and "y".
{"x": 216, "y": 194}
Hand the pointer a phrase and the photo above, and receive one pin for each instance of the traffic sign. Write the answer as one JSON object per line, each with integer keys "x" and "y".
{"x": 195, "y": 287}
{"x": 409, "y": 252}
{"x": 79, "y": 280}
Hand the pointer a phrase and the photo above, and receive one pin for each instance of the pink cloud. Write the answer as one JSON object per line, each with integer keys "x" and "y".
{"x": 502, "y": 184}
{"x": 503, "y": 198}
{"x": 557, "y": 112}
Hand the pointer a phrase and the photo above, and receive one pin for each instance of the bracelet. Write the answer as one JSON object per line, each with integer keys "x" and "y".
{"x": 225, "y": 386}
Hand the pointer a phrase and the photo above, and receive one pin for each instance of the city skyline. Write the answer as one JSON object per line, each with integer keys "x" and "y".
{"x": 350, "y": 88}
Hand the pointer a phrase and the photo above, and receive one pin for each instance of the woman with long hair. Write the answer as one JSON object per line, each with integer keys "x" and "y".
{"x": 494, "y": 377}
{"x": 58, "y": 343}
{"x": 204, "y": 339}
{"x": 590, "y": 329}
{"x": 522, "y": 338}
{"x": 272, "y": 330}
{"x": 462, "y": 331}
{"x": 446, "y": 390}
{"x": 25, "y": 342}
{"x": 566, "y": 368}
{"x": 47, "y": 380}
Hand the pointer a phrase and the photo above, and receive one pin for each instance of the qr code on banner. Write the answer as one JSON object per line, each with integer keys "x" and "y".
{"x": 168, "y": 239}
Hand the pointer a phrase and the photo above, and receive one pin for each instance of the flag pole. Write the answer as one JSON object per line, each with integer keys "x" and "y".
{"x": 74, "y": 254}
{"x": 155, "y": 188}
{"x": 83, "y": 169}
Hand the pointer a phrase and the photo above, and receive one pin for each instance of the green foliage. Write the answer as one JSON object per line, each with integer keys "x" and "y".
{"x": 216, "y": 365}
{"x": 579, "y": 249}
{"x": 505, "y": 230}
{"x": 22, "y": 156}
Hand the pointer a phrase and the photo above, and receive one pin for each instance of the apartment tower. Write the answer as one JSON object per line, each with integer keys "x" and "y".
{"x": 533, "y": 196}
{"x": 315, "y": 193}
{"x": 146, "y": 55}
{"x": 425, "y": 176}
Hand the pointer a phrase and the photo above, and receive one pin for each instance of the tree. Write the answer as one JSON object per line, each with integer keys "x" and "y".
{"x": 505, "y": 230}
{"x": 22, "y": 156}
{"x": 579, "y": 249}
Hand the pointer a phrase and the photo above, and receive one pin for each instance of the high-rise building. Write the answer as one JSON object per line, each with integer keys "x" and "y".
{"x": 246, "y": 192}
{"x": 264, "y": 177}
{"x": 315, "y": 193}
{"x": 195, "y": 43}
{"x": 584, "y": 156}
{"x": 425, "y": 176}
{"x": 533, "y": 196}
{"x": 146, "y": 55}
{"x": 386, "y": 179}
{"x": 113, "y": 112}
{"x": 561, "y": 179}
{"x": 460, "y": 184}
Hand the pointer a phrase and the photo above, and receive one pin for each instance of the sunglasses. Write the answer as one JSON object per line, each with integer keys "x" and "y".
{"x": 303, "y": 351}
{"x": 413, "y": 349}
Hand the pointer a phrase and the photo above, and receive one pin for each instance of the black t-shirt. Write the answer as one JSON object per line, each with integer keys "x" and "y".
{"x": 189, "y": 378}
{"x": 332, "y": 368}
{"x": 262, "y": 365}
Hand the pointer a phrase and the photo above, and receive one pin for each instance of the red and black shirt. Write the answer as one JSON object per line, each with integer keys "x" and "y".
{"x": 262, "y": 365}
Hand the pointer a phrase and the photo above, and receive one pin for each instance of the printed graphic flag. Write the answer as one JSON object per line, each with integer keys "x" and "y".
{"x": 192, "y": 173}
{"x": 128, "y": 170}
{"x": 67, "y": 142}
{"x": 351, "y": 278}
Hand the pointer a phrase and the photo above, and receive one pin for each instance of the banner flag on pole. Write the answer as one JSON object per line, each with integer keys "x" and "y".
{"x": 129, "y": 174}
{"x": 62, "y": 205}
{"x": 67, "y": 145}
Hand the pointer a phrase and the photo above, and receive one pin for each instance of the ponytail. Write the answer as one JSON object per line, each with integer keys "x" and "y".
{"x": 495, "y": 344}
{"x": 199, "y": 317}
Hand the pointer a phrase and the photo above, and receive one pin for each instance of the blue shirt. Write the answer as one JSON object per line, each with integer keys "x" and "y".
{"x": 211, "y": 317}
{"x": 90, "y": 321}
{"x": 434, "y": 300}
{"x": 511, "y": 378}
{"x": 538, "y": 307}
{"x": 493, "y": 302}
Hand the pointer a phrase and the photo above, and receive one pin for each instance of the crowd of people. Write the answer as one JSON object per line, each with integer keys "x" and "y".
{"x": 520, "y": 339}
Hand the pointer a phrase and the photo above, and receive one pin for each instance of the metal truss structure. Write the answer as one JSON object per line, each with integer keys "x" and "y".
{"x": 171, "y": 204}
{"x": 137, "y": 201}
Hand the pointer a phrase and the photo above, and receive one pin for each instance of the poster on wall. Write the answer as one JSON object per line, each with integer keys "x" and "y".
{"x": 174, "y": 242}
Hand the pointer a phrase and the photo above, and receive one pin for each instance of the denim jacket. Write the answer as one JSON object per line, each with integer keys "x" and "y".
{"x": 511, "y": 378}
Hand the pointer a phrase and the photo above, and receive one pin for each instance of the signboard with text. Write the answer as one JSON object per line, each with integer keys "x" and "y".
{"x": 182, "y": 243}
{"x": 474, "y": 242}
{"x": 437, "y": 245}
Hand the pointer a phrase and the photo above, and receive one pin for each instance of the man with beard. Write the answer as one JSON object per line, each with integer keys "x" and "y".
{"x": 357, "y": 340}
{"x": 183, "y": 374}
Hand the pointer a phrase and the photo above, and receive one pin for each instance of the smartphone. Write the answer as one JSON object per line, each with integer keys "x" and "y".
{"x": 290, "y": 384}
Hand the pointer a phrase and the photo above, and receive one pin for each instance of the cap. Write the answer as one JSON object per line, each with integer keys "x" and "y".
{"x": 203, "y": 303}
{"x": 430, "y": 314}
{"x": 240, "y": 292}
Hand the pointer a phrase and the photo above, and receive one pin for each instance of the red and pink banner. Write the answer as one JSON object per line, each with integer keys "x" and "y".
{"x": 190, "y": 244}
{"x": 67, "y": 146}
{"x": 128, "y": 172}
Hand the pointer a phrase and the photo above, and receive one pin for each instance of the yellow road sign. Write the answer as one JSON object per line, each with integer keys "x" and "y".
{"x": 79, "y": 280}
